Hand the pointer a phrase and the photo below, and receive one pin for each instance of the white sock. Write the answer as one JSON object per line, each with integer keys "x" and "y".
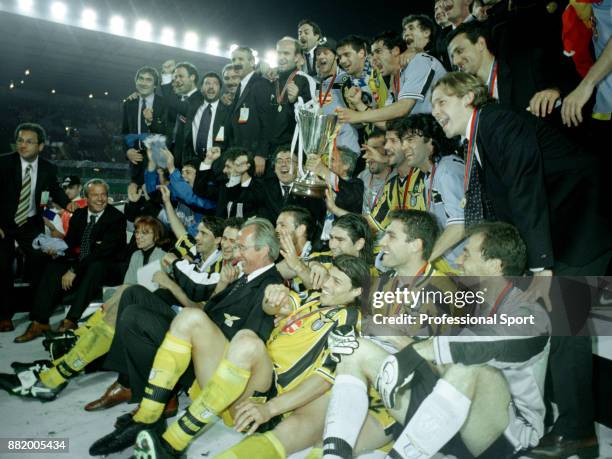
{"x": 346, "y": 413}
{"x": 437, "y": 420}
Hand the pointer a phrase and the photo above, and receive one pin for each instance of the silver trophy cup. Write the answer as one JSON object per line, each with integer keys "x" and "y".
{"x": 317, "y": 132}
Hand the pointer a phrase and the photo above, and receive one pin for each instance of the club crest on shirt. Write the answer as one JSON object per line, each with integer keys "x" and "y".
{"x": 317, "y": 325}
{"x": 229, "y": 319}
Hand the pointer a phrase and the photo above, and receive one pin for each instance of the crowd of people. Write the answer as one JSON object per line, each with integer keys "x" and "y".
{"x": 464, "y": 147}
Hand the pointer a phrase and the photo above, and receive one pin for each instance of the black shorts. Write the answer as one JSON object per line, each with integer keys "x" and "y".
{"x": 421, "y": 386}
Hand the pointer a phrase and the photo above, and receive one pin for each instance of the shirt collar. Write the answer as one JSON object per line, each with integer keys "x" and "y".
{"x": 467, "y": 128}
{"x": 149, "y": 99}
{"x": 25, "y": 164}
{"x": 246, "y": 80}
{"x": 258, "y": 272}
{"x": 211, "y": 260}
{"x": 90, "y": 213}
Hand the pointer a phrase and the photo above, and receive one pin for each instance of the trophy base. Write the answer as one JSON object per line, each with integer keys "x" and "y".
{"x": 309, "y": 186}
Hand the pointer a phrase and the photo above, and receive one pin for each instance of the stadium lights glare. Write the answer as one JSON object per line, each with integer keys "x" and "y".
{"x": 26, "y": 5}
{"x": 53, "y": 91}
{"x": 142, "y": 30}
{"x": 167, "y": 36}
{"x": 27, "y": 72}
{"x": 191, "y": 41}
{"x": 271, "y": 58}
{"x": 233, "y": 47}
{"x": 117, "y": 25}
{"x": 58, "y": 11}
{"x": 91, "y": 96}
{"x": 12, "y": 85}
{"x": 106, "y": 93}
{"x": 89, "y": 18}
{"x": 212, "y": 46}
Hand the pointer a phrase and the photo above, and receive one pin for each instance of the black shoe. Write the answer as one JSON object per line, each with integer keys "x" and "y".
{"x": 58, "y": 344}
{"x": 123, "y": 420}
{"x": 558, "y": 447}
{"x": 123, "y": 437}
{"x": 36, "y": 365}
{"x": 26, "y": 384}
{"x": 150, "y": 445}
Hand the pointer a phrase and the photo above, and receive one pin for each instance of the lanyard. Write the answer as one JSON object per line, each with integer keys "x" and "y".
{"x": 492, "y": 78}
{"x": 329, "y": 88}
{"x": 280, "y": 96}
{"x": 419, "y": 273}
{"x": 304, "y": 316}
{"x": 380, "y": 191}
{"x": 431, "y": 181}
{"x": 471, "y": 149}
{"x": 406, "y": 188}
{"x": 500, "y": 298}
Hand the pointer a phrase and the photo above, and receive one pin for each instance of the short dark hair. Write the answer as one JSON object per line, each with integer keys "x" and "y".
{"x": 390, "y": 40}
{"x": 153, "y": 223}
{"x": 235, "y": 152}
{"x": 426, "y": 126}
{"x": 195, "y": 163}
{"x": 33, "y": 127}
{"x": 216, "y": 225}
{"x": 473, "y": 30}
{"x": 394, "y": 125}
{"x": 356, "y": 269}
{"x": 301, "y": 216}
{"x": 233, "y": 222}
{"x": 151, "y": 71}
{"x": 503, "y": 242}
{"x": 356, "y": 42}
{"x": 315, "y": 27}
{"x": 212, "y": 75}
{"x": 281, "y": 149}
{"x": 191, "y": 69}
{"x": 376, "y": 132}
{"x": 418, "y": 224}
{"x": 357, "y": 228}
{"x": 425, "y": 22}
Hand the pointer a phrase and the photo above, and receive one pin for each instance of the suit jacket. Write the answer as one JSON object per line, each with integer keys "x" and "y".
{"x": 254, "y": 133}
{"x": 543, "y": 184}
{"x": 10, "y": 187}
{"x": 220, "y": 122}
{"x": 236, "y": 309}
{"x": 179, "y": 114}
{"x": 108, "y": 238}
{"x": 159, "y": 125}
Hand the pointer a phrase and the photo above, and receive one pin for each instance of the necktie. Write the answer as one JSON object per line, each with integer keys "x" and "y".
{"x": 477, "y": 206}
{"x": 177, "y": 122}
{"x": 143, "y": 123}
{"x": 286, "y": 189}
{"x": 21, "y": 216}
{"x": 239, "y": 284}
{"x": 86, "y": 239}
{"x": 203, "y": 129}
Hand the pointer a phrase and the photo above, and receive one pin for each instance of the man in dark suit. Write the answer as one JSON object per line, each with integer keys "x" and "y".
{"x": 250, "y": 114}
{"x": 206, "y": 123}
{"x": 309, "y": 35}
{"x": 142, "y": 327}
{"x": 26, "y": 182}
{"x": 96, "y": 240}
{"x": 524, "y": 172}
{"x": 186, "y": 99}
{"x": 146, "y": 113}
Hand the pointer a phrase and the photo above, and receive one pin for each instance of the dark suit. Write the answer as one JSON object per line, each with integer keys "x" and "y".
{"x": 220, "y": 121}
{"x": 144, "y": 318}
{"x": 10, "y": 190}
{"x": 254, "y": 133}
{"x": 544, "y": 185}
{"x": 107, "y": 249}
{"x": 180, "y": 126}
{"x": 159, "y": 125}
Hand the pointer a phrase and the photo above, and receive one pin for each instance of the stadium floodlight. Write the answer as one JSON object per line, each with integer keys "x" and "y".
{"x": 12, "y": 85}
{"x": 271, "y": 58}
{"x": 58, "y": 11}
{"x": 167, "y": 36}
{"x": 26, "y": 6}
{"x": 117, "y": 25}
{"x": 53, "y": 91}
{"x": 90, "y": 96}
{"x": 191, "y": 41}
{"x": 142, "y": 30}
{"x": 89, "y": 18}
{"x": 212, "y": 46}
{"x": 27, "y": 72}
{"x": 106, "y": 93}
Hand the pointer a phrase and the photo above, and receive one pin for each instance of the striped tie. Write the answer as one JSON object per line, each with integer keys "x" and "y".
{"x": 24, "y": 198}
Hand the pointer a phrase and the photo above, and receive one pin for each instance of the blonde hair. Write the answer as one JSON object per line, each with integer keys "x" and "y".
{"x": 460, "y": 83}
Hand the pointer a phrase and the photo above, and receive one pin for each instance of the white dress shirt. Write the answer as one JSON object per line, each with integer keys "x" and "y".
{"x": 195, "y": 125}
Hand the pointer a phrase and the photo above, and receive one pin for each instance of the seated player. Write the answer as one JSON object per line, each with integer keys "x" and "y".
{"x": 483, "y": 395}
{"x": 292, "y": 371}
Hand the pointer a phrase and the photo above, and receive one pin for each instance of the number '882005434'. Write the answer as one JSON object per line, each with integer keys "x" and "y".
{"x": 33, "y": 445}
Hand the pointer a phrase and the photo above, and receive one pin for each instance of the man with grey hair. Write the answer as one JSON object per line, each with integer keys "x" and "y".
{"x": 96, "y": 241}
{"x": 153, "y": 341}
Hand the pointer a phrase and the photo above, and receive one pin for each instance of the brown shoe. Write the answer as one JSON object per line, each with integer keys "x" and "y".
{"x": 6, "y": 325}
{"x": 66, "y": 324}
{"x": 35, "y": 329}
{"x": 114, "y": 395}
{"x": 557, "y": 446}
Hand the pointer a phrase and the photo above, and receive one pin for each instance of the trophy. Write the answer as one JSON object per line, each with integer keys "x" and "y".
{"x": 316, "y": 132}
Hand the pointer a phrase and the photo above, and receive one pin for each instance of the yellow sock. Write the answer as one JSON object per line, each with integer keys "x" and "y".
{"x": 95, "y": 318}
{"x": 258, "y": 446}
{"x": 315, "y": 453}
{"x": 91, "y": 345}
{"x": 171, "y": 361}
{"x": 224, "y": 387}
